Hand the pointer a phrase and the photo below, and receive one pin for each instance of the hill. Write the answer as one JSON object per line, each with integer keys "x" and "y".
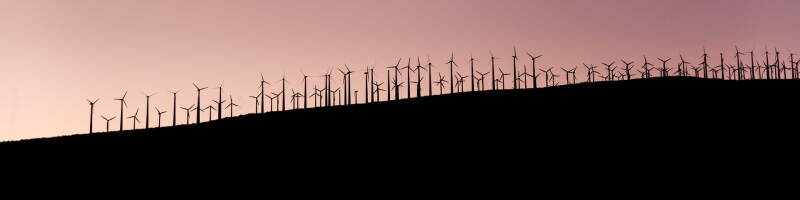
{"x": 676, "y": 126}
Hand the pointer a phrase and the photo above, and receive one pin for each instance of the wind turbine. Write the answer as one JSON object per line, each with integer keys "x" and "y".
{"x": 219, "y": 102}
{"x": 121, "y": 111}
{"x": 514, "y": 72}
{"x": 366, "y": 87}
{"x": 388, "y": 79}
{"x": 315, "y": 95}
{"x": 188, "y": 111}
{"x": 283, "y": 93}
{"x": 419, "y": 77}
{"x": 451, "y": 62}
{"x": 91, "y": 114}
{"x": 740, "y": 73}
{"x": 472, "y": 71}
{"x": 441, "y": 82}
{"x": 377, "y": 91}
{"x": 533, "y": 62}
{"x": 777, "y": 63}
{"x": 108, "y": 121}
{"x": 408, "y": 78}
{"x": 256, "y": 98}
{"x": 219, "y": 111}
{"x": 705, "y": 64}
{"x": 610, "y": 70}
{"x": 210, "y": 109}
{"x": 262, "y": 92}
{"x": 684, "y": 70}
{"x": 198, "y": 100}
{"x": 481, "y": 81}
{"x": 664, "y": 70}
{"x": 135, "y": 118}
{"x": 305, "y": 90}
{"x": 159, "y": 116}
{"x": 174, "y": 106}
{"x": 627, "y": 69}
{"x": 502, "y": 78}
{"x": 590, "y": 72}
{"x": 753, "y": 65}
{"x": 645, "y": 65}
{"x": 568, "y": 72}
{"x": 547, "y": 76}
{"x": 430, "y": 77}
{"x": 494, "y": 86}
{"x": 147, "y": 111}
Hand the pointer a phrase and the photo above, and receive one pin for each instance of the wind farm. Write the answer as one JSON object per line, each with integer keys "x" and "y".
{"x": 340, "y": 97}
{"x": 601, "y": 98}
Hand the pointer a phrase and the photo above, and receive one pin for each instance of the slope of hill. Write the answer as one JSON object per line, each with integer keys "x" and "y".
{"x": 648, "y": 108}
{"x": 677, "y": 127}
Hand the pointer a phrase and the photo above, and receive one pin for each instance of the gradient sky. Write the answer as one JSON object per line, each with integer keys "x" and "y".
{"x": 54, "y": 54}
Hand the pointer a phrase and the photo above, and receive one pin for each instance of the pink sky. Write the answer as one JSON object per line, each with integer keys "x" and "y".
{"x": 54, "y": 54}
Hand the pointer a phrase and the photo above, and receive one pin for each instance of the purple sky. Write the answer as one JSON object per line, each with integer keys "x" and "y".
{"x": 54, "y": 54}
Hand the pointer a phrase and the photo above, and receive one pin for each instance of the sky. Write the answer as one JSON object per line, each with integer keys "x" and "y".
{"x": 55, "y": 54}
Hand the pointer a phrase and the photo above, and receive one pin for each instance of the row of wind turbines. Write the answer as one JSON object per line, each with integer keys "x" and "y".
{"x": 325, "y": 95}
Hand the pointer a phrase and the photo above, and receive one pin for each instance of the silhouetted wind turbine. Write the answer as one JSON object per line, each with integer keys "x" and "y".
{"x": 388, "y": 79}
{"x": 231, "y": 105}
{"x": 753, "y": 65}
{"x": 198, "y": 100}
{"x": 135, "y": 118}
{"x": 147, "y": 110}
{"x": 514, "y": 72}
{"x": 219, "y": 102}
{"x": 547, "y": 76}
{"x": 664, "y": 70}
{"x": 366, "y": 87}
{"x": 283, "y": 93}
{"x": 108, "y": 121}
{"x": 219, "y": 111}
{"x": 256, "y": 98}
{"x": 377, "y": 91}
{"x": 305, "y": 90}
{"x": 502, "y": 78}
{"x": 159, "y": 116}
{"x": 451, "y": 62}
{"x": 494, "y": 85}
{"x": 627, "y": 69}
{"x": 740, "y": 72}
{"x": 568, "y": 72}
{"x": 430, "y": 77}
{"x": 472, "y": 72}
{"x": 188, "y": 111}
{"x": 408, "y": 78}
{"x": 91, "y": 114}
{"x": 441, "y": 82}
{"x": 346, "y": 84}
{"x": 262, "y": 92}
{"x": 481, "y": 81}
{"x": 315, "y": 95}
{"x": 777, "y": 63}
{"x": 419, "y": 77}
{"x": 121, "y": 111}
{"x": 174, "y": 106}
{"x": 682, "y": 67}
{"x": 705, "y": 64}
{"x": 210, "y": 109}
{"x": 610, "y": 70}
{"x": 722, "y": 65}
{"x": 533, "y": 64}
{"x": 590, "y": 72}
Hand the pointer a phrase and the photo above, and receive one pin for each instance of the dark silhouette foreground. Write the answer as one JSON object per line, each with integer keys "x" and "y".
{"x": 661, "y": 131}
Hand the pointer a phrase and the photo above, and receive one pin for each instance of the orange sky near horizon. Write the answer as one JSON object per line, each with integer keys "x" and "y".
{"x": 54, "y": 54}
